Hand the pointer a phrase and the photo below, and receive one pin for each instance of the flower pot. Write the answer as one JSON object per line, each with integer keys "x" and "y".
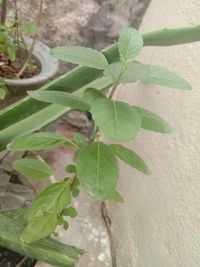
{"x": 47, "y": 65}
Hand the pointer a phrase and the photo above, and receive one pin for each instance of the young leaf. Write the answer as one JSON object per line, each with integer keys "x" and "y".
{"x": 52, "y": 199}
{"x": 155, "y": 75}
{"x": 60, "y": 98}
{"x": 79, "y": 139}
{"x": 71, "y": 168}
{"x": 116, "y": 197}
{"x": 153, "y": 122}
{"x": 37, "y": 141}
{"x": 71, "y": 212}
{"x": 130, "y": 158}
{"x": 39, "y": 227}
{"x": 113, "y": 72}
{"x": 97, "y": 170}
{"x": 81, "y": 55}
{"x": 91, "y": 95}
{"x": 130, "y": 43}
{"x": 163, "y": 77}
{"x": 32, "y": 168}
{"x": 118, "y": 120}
{"x": 75, "y": 192}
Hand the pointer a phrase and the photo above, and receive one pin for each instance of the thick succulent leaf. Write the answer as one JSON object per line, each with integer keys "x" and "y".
{"x": 130, "y": 43}
{"x": 38, "y": 141}
{"x": 130, "y": 158}
{"x": 153, "y": 122}
{"x": 60, "y": 98}
{"x": 91, "y": 95}
{"x": 39, "y": 227}
{"x": 118, "y": 120}
{"x": 81, "y": 55}
{"x": 32, "y": 168}
{"x": 53, "y": 199}
{"x": 97, "y": 170}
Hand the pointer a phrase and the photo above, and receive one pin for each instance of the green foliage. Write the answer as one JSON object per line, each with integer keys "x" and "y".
{"x": 32, "y": 168}
{"x": 81, "y": 55}
{"x": 130, "y": 158}
{"x": 91, "y": 95}
{"x": 3, "y": 89}
{"x": 118, "y": 120}
{"x": 60, "y": 98}
{"x": 39, "y": 227}
{"x": 98, "y": 170}
{"x": 130, "y": 43}
{"x": 115, "y": 197}
{"x": 153, "y": 122}
{"x": 96, "y": 167}
{"x": 29, "y": 27}
{"x": 38, "y": 141}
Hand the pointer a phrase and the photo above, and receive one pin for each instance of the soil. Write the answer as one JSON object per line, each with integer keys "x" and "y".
{"x": 9, "y": 70}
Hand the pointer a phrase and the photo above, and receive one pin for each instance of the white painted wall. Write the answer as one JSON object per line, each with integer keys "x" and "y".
{"x": 159, "y": 224}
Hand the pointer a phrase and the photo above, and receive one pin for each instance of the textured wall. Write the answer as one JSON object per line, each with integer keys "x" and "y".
{"x": 159, "y": 224}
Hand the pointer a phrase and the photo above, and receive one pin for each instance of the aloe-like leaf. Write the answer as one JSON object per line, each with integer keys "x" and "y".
{"x": 130, "y": 43}
{"x": 60, "y": 98}
{"x": 38, "y": 141}
{"x": 118, "y": 120}
{"x": 130, "y": 158}
{"x": 32, "y": 168}
{"x": 48, "y": 250}
{"x": 153, "y": 122}
{"x": 97, "y": 170}
{"x": 81, "y": 55}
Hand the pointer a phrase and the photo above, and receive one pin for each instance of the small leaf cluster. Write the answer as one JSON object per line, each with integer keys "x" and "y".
{"x": 96, "y": 167}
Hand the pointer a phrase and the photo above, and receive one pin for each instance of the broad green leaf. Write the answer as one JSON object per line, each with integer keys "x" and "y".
{"x": 91, "y": 95}
{"x": 98, "y": 170}
{"x": 52, "y": 199}
{"x": 37, "y": 141}
{"x": 29, "y": 27}
{"x": 130, "y": 158}
{"x": 116, "y": 197}
{"x": 153, "y": 75}
{"x": 32, "y": 168}
{"x": 81, "y": 55}
{"x": 60, "y": 98}
{"x": 153, "y": 122}
{"x": 164, "y": 77}
{"x": 113, "y": 72}
{"x": 130, "y": 43}
{"x": 39, "y": 228}
{"x": 118, "y": 120}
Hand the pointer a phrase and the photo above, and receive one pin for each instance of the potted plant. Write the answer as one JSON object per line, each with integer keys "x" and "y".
{"x": 96, "y": 163}
{"x": 24, "y": 61}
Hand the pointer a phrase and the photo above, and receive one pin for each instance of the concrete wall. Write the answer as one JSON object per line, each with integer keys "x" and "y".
{"x": 159, "y": 224}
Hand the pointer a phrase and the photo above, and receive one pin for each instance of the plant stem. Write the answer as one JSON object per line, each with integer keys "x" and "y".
{"x": 17, "y": 24}
{"x": 3, "y": 11}
{"x": 113, "y": 91}
{"x": 30, "y": 53}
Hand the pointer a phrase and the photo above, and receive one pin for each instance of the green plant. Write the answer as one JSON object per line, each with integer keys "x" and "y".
{"x": 96, "y": 168}
{"x": 12, "y": 43}
{"x": 85, "y": 86}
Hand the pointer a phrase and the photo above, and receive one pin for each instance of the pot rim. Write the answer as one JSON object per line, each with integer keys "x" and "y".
{"x": 49, "y": 66}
